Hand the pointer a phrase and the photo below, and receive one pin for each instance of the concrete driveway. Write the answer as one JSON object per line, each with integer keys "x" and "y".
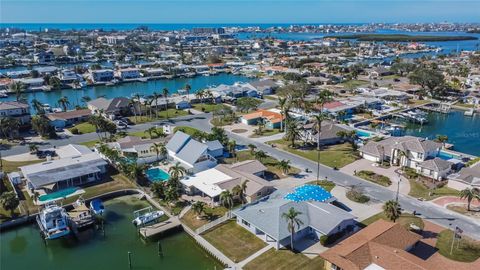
{"x": 360, "y": 210}
{"x": 367, "y": 165}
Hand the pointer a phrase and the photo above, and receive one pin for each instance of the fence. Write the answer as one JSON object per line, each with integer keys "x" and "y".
{"x": 214, "y": 223}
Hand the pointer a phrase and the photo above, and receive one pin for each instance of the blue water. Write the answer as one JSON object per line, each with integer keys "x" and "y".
{"x": 446, "y": 156}
{"x": 462, "y": 131}
{"x": 58, "y": 194}
{"x": 129, "y": 89}
{"x": 157, "y": 174}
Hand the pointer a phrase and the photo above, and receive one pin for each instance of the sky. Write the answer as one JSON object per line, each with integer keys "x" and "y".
{"x": 238, "y": 11}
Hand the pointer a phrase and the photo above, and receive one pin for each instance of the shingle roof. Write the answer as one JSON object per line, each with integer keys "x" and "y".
{"x": 10, "y": 105}
{"x": 69, "y": 115}
{"x": 436, "y": 164}
{"x": 192, "y": 151}
{"x": 178, "y": 140}
{"x": 405, "y": 143}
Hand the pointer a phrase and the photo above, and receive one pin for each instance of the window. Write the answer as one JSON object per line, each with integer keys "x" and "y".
{"x": 245, "y": 223}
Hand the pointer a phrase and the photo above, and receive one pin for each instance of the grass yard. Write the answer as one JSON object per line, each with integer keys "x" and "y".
{"x": 269, "y": 162}
{"x": 419, "y": 190}
{"x": 171, "y": 113}
{"x": 186, "y": 129}
{"x": 405, "y": 219}
{"x": 352, "y": 84}
{"x": 90, "y": 144}
{"x": 208, "y": 107}
{"x": 468, "y": 250}
{"x": 326, "y": 184}
{"x": 83, "y": 128}
{"x": 234, "y": 241}
{"x": 209, "y": 214}
{"x": 12, "y": 166}
{"x": 222, "y": 121}
{"x": 375, "y": 178}
{"x": 266, "y": 133}
{"x": 284, "y": 260}
{"x": 332, "y": 156}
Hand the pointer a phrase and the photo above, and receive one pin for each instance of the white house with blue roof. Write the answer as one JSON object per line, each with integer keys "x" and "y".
{"x": 191, "y": 154}
{"x": 319, "y": 217}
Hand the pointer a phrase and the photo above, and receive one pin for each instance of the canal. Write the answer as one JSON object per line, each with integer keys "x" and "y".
{"x": 129, "y": 89}
{"x": 462, "y": 131}
{"x": 23, "y": 248}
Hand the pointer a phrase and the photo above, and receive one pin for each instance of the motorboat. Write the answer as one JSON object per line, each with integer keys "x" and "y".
{"x": 147, "y": 218}
{"x": 97, "y": 207}
{"x": 53, "y": 222}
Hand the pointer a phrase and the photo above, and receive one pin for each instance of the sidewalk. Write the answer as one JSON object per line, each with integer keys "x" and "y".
{"x": 241, "y": 264}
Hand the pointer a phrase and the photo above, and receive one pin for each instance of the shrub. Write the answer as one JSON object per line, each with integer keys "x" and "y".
{"x": 74, "y": 131}
{"x": 357, "y": 196}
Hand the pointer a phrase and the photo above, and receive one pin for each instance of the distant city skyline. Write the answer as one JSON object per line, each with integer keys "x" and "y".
{"x": 238, "y": 11}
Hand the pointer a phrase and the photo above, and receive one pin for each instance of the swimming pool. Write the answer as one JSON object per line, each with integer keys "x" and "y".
{"x": 58, "y": 194}
{"x": 361, "y": 133}
{"x": 447, "y": 156}
{"x": 157, "y": 174}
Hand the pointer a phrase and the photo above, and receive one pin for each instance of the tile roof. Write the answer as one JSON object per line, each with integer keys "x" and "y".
{"x": 436, "y": 164}
{"x": 268, "y": 115}
{"x": 69, "y": 115}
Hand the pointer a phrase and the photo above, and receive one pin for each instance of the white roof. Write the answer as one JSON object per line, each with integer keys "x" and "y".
{"x": 207, "y": 181}
{"x": 72, "y": 150}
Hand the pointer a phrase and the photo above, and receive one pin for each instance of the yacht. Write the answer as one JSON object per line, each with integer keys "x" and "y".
{"x": 53, "y": 222}
{"x": 147, "y": 218}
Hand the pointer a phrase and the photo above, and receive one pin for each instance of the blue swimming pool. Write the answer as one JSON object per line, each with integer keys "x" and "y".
{"x": 447, "y": 156}
{"x": 361, "y": 133}
{"x": 157, "y": 174}
{"x": 309, "y": 193}
{"x": 58, "y": 194}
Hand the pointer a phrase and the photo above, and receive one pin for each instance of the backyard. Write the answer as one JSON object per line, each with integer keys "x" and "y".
{"x": 234, "y": 241}
{"x": 209, "y": 214}
{"x": 284, "y": 259}
{"x": 332, "y": 156}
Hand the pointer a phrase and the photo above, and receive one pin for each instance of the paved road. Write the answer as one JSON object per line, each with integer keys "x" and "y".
{"x": 428, "y": 210}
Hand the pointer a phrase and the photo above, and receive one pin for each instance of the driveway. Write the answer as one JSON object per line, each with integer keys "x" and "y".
{"x": 367, "y": 165}
{"x": 360, "y": 210}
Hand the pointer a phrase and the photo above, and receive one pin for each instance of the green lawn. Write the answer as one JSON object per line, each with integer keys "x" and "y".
{"x": 12, "y": 166}
{"x": 269, "y": 162}
{"x": 90, "y": 144}
{"x": 353, "y": 84}
{"x": 171, "y": 113}
{"x": 208, "y": 107}
{"x": 83, "y": 128}
{"x": 188, "y": 130}
{"x": 190, "y": 218}
{"x": 284, "y": 260}
{"x": 419, "y": 190}
{"x": 222, "y": 121}
{"x": 375, "y": 178}
{"x": 333, "y": 156}
{"x": 468, "y": 250}
{"x": 265, "y": 133}
{"x": 234, "y": 241}
{"x": 405, "y": 219}
{"x": 326, "y": 184}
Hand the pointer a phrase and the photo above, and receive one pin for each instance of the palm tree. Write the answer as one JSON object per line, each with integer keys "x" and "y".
{"x": 293, "y": 132}
{"x": 177, "y": 171}
{"x": 86, "y": 99}
{"x": 284, "y": 165}
{"x": 226, "y": 199}
{"x": 187, "y": 89}
{"x": 239, "y": 190}
{"x": 252, "y": 148}
{"x": 200, "y": 94}
{"x": 38, "y": 106}
{"x": 133, "y": 104}
{"x": 9, "y": 201}
{"x": 150, "y": 131}
{"x": 136, "y": 171}
{"x": 318, "y": 127}
{"x": 293, "y": 220}
{"x": 155, "y": 97}
{"x": 260, "y": 155}
{"x": 159, "y": 149}
{"x": 64, "y": 103}
{"x": 470, "y": 194}
{"x": 283, "y": 103}
{"x": 198, "y": 208}
{"x": 232, "y": 145}
{"x": 442, "y": 139}
{"x": 17, "y": 88}
{"x": 261, "y": 126}
{"x": 33, "y": 148}
{"x": 158, "y": 188}
{"x": 165, "y": 96}
{"x": 392, "y": 210}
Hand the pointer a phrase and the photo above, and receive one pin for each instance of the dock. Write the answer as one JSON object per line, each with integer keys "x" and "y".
{"x": 441, "y": 108}
{"x": 158, "y": 228}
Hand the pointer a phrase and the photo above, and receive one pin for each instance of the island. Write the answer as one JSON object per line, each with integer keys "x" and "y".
{"x": 402, "y": 37}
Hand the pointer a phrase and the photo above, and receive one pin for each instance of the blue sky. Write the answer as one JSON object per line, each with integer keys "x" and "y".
{"x": 237, "y": 11}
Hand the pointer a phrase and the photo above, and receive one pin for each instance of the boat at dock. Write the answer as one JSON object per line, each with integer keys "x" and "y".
{"x": 148, "y": 217}
{"x": 80, "y": 216}
{"x": 53, "y": 222}
{"x": 470, "y": 112}
{"x": 97, "y": 207}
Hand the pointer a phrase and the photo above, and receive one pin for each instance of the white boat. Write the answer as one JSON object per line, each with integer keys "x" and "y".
{"x": 469, "y": 112}
{"x": 97, "y": 207}
{"x": 53, "y": 222}
{"x": 147, "y": 218}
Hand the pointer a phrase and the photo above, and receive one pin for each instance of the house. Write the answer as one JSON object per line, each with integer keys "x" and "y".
{"x": 101, "y": 75}
{"x": 138, "y": 149}
{"x": 416, "y": 153}
{"x": 17, "y": 110}
{"x": 264, "y": 87}
{"x": 128, "y": 73}
{"x": 32, "y": 83}
{"x": 264, "y": 217}
{"x": 190, "y": 153}
{"x": 215, "y": 148}
{"x": 44, "y": 57}
{"x": 381, "y": 245}
{"x": 210, "y": 183}
{"x": 182, "y": 105}
{"x": 380, "y": 72}
{"x": 271, "y": 119}
{"x": 387, "y": 94}
{"x": 65, "y": 119}
{"x": 110, "y": 108}
{"x": 328, "y": 135}
{"x": 468, "y": 177}
{"x": 77, "y": 165}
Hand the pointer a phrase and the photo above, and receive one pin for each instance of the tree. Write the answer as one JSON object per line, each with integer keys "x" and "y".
{"x": 429, "y": 79}
{"x": 293, "y": 220}
{"x": 155, "y": 97}
{"x": 284, "y": 165}
{"x": 188, "y": 88}
{"x": 9, "y": 201}
{"x": 177, "y": 171}
{"x": 136, "y": 172}
{"x": 159, "y": 149}
{"x": 219, "y": 134}
{"x": 442, "y": 139}
{"x": 260, "y": 155}
{"x": 232, "y": 148}
{"x": 226, "y": 199}
{"x": 252, "y": 148}
{"x": 165, "y": 96}
{"x": 38, "y": 106}
{"x": 293, "y": 132}
{"x": 198, "y": 208}
{"x": 42, "y": 126}
{"x": 55, "y": 83}
{"x": 470, "y": 194}
{"x": 133, "y": 104}
{"x": 239, "y": 190}
{"x": 64, "y": 103}
{"x": 349, "y": 136}
{"x": 158, "y": 189}
{"x": 245, "y": 104}
{"x": 284, "y": 109}
{"x": 9, "y": 127}
{"x": 392, "y": 210}
{"x": 17, "y": 88}
{"x": 260, "y": 125}
{"x": 33, "y": 148}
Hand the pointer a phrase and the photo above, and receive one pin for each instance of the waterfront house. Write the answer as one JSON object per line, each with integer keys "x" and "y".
{"x": 128, "y": 73}
{"x": 32, "y": 83}
{"x": 319, "y": 217}
{"x": 65, "y": 119}
{"x": 271, "y": 119}
{"x": 138, "y": 149}
{"x": 264, "y": 87}
{"x": 215, "y": 148}
{"x": 210, "y": 183}
{"x": 328, "y": 135}
{"x": 381, "y": 245}
{"x": 101, "y": 75}
{"x": 110, "y": 108}
{"x": 190, "y": 153}
{"x": 77, "y": 165}
{"x": 468, "y": 177}
{"x": 17, "y": 110}
{"x": 412, "y": 152}
{"x": 44, "y": 57}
